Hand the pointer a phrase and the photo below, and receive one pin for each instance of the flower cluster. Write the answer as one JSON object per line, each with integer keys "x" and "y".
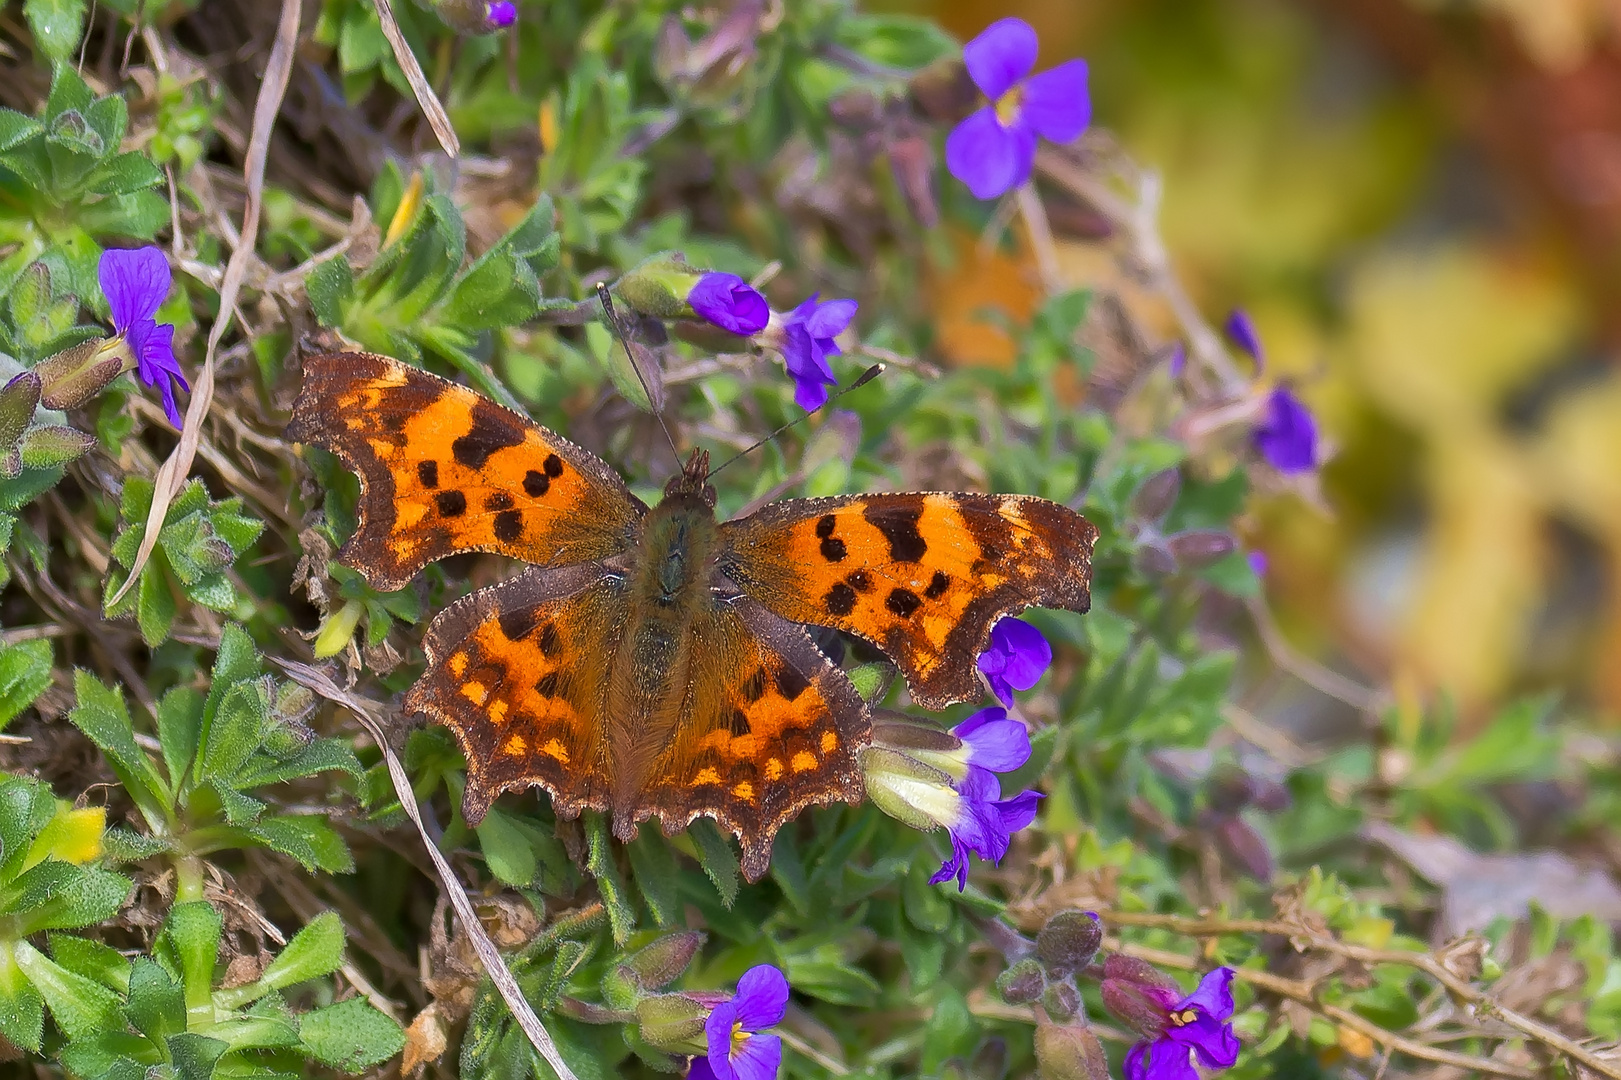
{"x": 738, "y": 1047}
{"x": 135, "y": 284}
{"x": 805, "y": 337}
{"x": 994, "y": 150}
{"x": 1286, "y": 438}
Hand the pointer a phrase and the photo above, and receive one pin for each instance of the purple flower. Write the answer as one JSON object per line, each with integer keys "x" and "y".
{"x": 1016, "y": 659}
{"x": 993, "y": 742}
{"x": 1287, "y": 438}
{"x": 994, "y": 150}
{"x": 730, "y": 303}
{"x": 135, "y": 284}
{"x": 984, "y": 825}
{"x": 1174, "y": 1028}
{"x": 805, "y": 338}
{"x": 1257, "y": 561}
{"x": 736, "y": 1049}
{"x": 1239, "y": 327}
{"x": 500, "y": 14}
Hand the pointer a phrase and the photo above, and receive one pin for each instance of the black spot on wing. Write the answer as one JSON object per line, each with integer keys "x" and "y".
{"x": 833, "y": 549}
{"x": 902, "y": 602}
{"x": 428, "y": 473}
{"x": 549, "y": 645}
{"x": 546, "y": 685}
{"x": 897, "y": 518}
{"x": 508, "y": 525}
{"x": 740, "y": 723}
{"x": 825, "y": 525}
{"x": 517, "y": 623}
{"x": 553, "y": 466}
{"x": 859, "y": 580}
{"x": 498, "y": 500}
{"x": 491, "y": 431}
{"x": 754, "y": 686}
{"x": 451, "y": 503}
{"x": 840, "y": 599}
{"x": 536, "y": 483}
{"x": 790, "y": 682}
{"x": 938, "y": 585}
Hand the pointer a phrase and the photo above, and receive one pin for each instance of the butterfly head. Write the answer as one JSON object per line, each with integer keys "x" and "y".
{"x": 694, "y": 480}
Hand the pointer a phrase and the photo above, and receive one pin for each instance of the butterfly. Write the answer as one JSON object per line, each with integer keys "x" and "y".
{"x": 654, "y": 661}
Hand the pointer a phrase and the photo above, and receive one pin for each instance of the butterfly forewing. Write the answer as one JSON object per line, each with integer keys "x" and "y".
{"x": 924, "y": 576}
{"x": 446, "y": 470}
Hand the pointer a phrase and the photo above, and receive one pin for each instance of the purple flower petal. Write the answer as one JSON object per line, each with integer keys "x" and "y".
{"x": 1016, "y": 659}
{"x": 1287, "y": 438}
{"x": 1161, "y": 1060}
{"x": 1056, "y": 104}
{"x": 829, "y": 320}
{"x": 762, "y": 997}
{"x": 1001, "y": 55}
{"x": 810, "y": 372}
{"x": 1019, "y": 811}
{"x": 718, "y": 1038}
{"x": 954, "y": 867}
{"x": 700, "y": 1070}
{"x": 994, "y": 742}
{"x": 1239, "y": 327}
{"x": 134, "y": 283}
{"x": 758, "y": 1058}
{"x": 1211, "y": 1039}
{"x": 989, "y": 158}
{"x": 500, "y": 14}
{"x": 1214, "y": 994}
{"x": 730, "y": 303}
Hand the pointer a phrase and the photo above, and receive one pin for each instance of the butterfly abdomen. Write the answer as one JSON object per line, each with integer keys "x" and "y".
{"x": 668, "y": 590}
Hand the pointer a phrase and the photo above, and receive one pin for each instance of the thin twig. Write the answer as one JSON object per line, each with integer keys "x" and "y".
{"x": 438, "y": 119}
{"x": 1318, "y": 676}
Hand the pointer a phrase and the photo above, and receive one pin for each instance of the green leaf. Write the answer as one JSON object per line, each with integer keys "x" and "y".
{"x": 92, "y": 959}
{"x": 190, "y": 944}
{"x": 22, "y": 1010}
{"x": 610, "y": 883}
{"x": 320, "y": 755}
{"x": 506, "y": 848}
{"x": 656, "y": 872}
{"x": 715, "y": 856}
{"x": 180, "y": 714}
{"x": 234, "y": 733}
{"x": 330, "y": 288}
{"x": 25, "y": 672}
{"x": 351, "y": 1035}
{"x": 124, "y": 173}
{"x": 102, "y": 716}
{"x": 80, "y": 1006}
{"x": 315, "y": 950}
{"x": 154, "y": 602}
{"x": 17, "y": 128}
{"x": 56, "y": 26}
{"x": 307, "y": 838}
{"x": 157, "y": 1003}
{"x": 195, "y": 1055}
{"x": 88, "y": 895}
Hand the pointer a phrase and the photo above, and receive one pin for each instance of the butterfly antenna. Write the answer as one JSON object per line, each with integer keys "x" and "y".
{"x": 624, "y": 339}
{"x": 866, "y": 377}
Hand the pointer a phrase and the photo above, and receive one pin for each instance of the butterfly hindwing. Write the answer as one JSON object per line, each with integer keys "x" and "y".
{"x": 445, "y": 470}
{"x": 519, "y": 673}
{"x": 772, "y": 726}
{"x": 922, "y": 575}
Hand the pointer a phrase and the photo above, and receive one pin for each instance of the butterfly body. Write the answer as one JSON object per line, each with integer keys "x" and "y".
{"x": 652, "y": 662}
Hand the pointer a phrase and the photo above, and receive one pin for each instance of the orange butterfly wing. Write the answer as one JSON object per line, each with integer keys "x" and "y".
{"x": 521, "y": 673}
{"x": 922, "y": 575}
{"x": 445, "y": 470}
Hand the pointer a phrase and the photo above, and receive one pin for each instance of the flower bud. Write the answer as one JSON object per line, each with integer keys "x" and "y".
{"x": 74, "y": 376}
{"x": 1138, "y": 993}
{"x": 1022, "y": 983}
{"x": 673, "y": 1022}
{"x": 1069, "y": 941}
{"x": 53, "y": 445}
{"x": 1157, "y": 495}
{"x": 620, "y": 989}
{"x": 1155, "y": 558}
{"x": 1201, "y": 547}
{"x": 1061, "y": 1000}
{"x": 659, "y": 285}
{"x": 1069, "y": 1052}
{"x": 659, "y": 962}
{"x": 476, "y": 16}
{"x": 338, "y": 628}
{"x": 908, "y": 790}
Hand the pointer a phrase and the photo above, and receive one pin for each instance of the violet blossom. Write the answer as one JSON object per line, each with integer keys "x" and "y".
{"x": 805, "y": 337}
{"x": 500, "y": 14}
{"x": 730, "y": 303}
{"x": 1175, "y": 1027}
{"x": 135, "y": 284}
{"x": 1241, "y": 329}
{"x": 1016, "y": 659}
{"x": 737, "y": 1048}
{"x": 1287, "y": 437}
{"x": 994, "y": 150}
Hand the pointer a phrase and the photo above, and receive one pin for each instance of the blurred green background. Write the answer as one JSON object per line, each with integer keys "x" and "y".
{"x": 1419, "y": 201}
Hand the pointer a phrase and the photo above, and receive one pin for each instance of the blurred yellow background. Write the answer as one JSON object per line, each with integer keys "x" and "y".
{"x": 1420, "y": 204}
